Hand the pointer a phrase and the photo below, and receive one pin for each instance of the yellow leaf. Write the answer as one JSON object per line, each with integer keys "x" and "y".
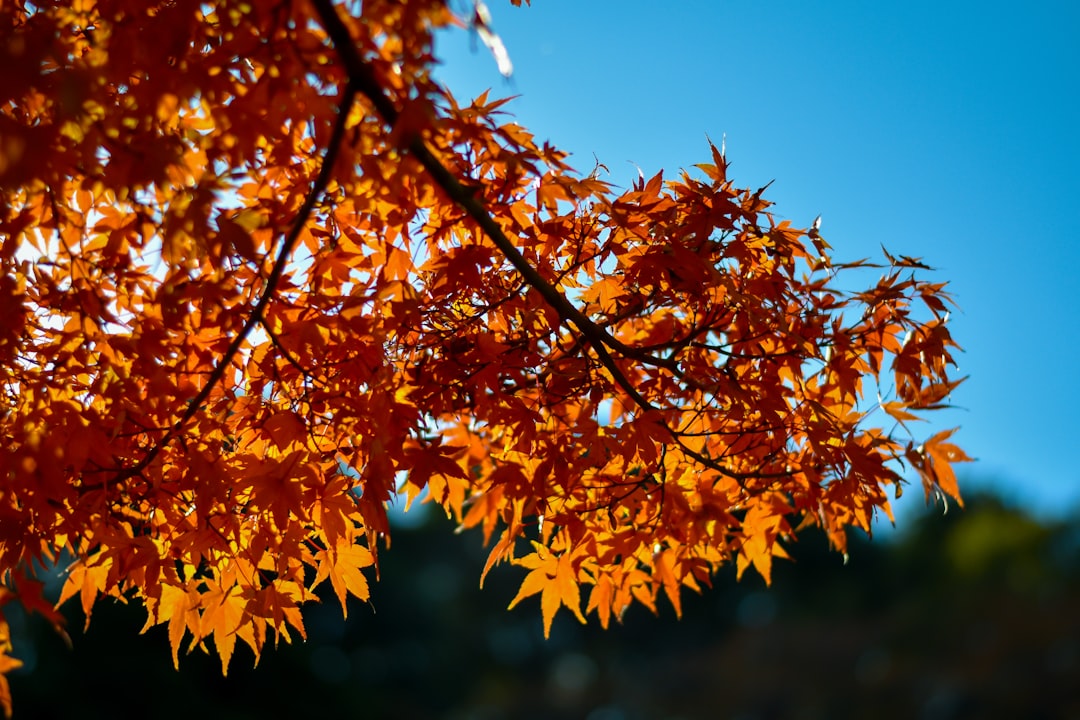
{"x": 553, "y": 577}
{"x": 342, "y": 566}
{"x": 665, "y": 569}
{"x": 345, "y": 574}
{"x": 7, "y": 664}
{"x": 600, "y": 600}
{"x": 566, "y": 586}
{"x": 533, "y": 583}
{"x": 549, "y": 605}
{"x": 222, "y": 618}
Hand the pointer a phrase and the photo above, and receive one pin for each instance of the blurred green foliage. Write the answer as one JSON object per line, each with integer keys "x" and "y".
{"x": 974, "y": 614}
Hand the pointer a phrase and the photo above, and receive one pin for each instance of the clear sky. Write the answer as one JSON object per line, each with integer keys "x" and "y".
{"x": 942, "y": 130}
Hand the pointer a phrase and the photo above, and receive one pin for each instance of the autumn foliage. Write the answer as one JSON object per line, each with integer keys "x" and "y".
{"x": 262, "y": 275}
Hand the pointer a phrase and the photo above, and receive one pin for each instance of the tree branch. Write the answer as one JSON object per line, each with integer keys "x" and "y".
{"x": 361, "y": 75}
{"x": 256, "y": 316}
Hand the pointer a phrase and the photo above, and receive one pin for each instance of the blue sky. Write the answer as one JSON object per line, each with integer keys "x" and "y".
{"x": 942, "y": 130}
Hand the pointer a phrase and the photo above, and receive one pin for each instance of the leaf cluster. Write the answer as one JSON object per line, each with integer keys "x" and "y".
{"x": 261, "y": 275}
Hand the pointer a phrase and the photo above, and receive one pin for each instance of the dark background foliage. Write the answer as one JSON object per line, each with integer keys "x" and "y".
{"x": 972, "y": 614}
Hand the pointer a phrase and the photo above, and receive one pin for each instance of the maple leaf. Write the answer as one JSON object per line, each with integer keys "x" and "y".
{"x": 223, "y": 614}
{"x": 555, "y": 579}
{"x": 434, "y": 468}
{"x": 763, "y": 524}
{"x": 343, "y": 566}
{"x": 665, "y": 569}
{"x": 334, "y": 513}
{"x": 178, "y": 607}
{"x": 7, "y": 663}
{"x": 934, "y": 460}
{"x": 600, "y": 600}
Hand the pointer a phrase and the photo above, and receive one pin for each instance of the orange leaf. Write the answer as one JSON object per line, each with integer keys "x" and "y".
{"x": 223, "y": 615}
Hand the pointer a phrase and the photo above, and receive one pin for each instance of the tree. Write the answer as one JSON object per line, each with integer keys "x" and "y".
{"x": 261, "y": 275}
